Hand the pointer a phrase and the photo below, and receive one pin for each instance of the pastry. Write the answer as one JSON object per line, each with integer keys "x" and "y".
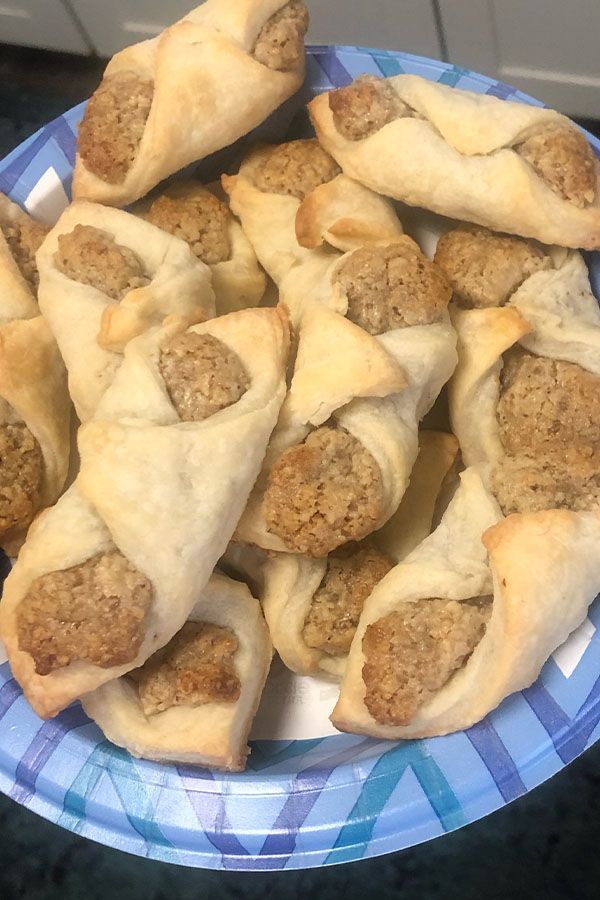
{"x": 194, "y": 700}
{"x": 105, "y": 277}
{"x": 197, "y": 87}
{"x": 34, "y": 402}
{"x": 35, "y": 414}
{"x": 509, "y": 166}
{"x": 298, "y": 210}
{"x": 454, "y": 629}
{"x": 20, "y": 238}
{"x": 111, "y": 573}
{"x": 193, "y": 213}
{"x": 528, "y": 375}
{"x": 340, "y": 459}
{"x": 313, "y": 606}
{"x": 466, "y": 620}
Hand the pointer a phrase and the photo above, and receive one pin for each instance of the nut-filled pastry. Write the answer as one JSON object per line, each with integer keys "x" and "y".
{"x": 313, "y": 606}
{"x": 528, "y": 378}
{"x": 34, "y": 402}
{"x": 300, "y": 214}
{"x": 512, "y": 167}
{"x": 193, "y": 213}
{"x": 110, "y": 574}
{"x": 200, "y": 85}
{"x": 441, "y": 642}
{"x": 105, "y": 277}
{"x": 195, "y": 699}
{"x": 340, "y": 459}
{"x": 469, "y": 617}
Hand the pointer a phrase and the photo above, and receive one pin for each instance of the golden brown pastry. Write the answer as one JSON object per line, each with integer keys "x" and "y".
{"x": 110, "y": 574}
{"x": 313, "y": 606}
{"x": 528, "y": 373}
{"x": 105, "y": 277}
{"x": 193, "y": 213}
{"x": 300, "y": 214}
{"x": 20, "y": 238}
{"x": 469, "y": 617}
{"x": 200, "y": 85}
{"x": 340, "y": 458}
{"x": 195, "y": 699}
{"x": 509, "y": 166}
{"x": 34, "y": 403}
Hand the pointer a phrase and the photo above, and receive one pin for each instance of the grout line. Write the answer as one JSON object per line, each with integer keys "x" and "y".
{"x": 439, "y": 27}
{"x": 68, "y": 5}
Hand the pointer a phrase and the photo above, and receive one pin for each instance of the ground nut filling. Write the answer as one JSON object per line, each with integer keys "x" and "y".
{"x": 196, "y": 667}
{"x": 280, "y": 44}
{"x": 485, "y": 269}
{"x": 21, "y": 475}
{"x": 323, "y": 493}
{"x": 411, "y": 653}
{"x": 565, "y": 161}
{"x": 337, "y": 604}
{"x": 295, "y": 168}
{"x": 93, "y": 257}
{"x": 547, "y": 406}
{"x": 201, "y": 221}
{"x": 24, "y": 238}
{"x": 365, "y": 106}
{"x": 113, "y": 124}
{"x": 94, "y": 612}
{"x": 522, "y": 484}
{"x": 201, "y": 374}
{"x": 393, "y": 286}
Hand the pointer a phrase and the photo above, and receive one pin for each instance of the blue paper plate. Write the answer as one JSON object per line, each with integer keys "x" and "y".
{"x": 306, "y": 802}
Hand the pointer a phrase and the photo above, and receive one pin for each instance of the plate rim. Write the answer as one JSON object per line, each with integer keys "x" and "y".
{"x": 45, "y": 801}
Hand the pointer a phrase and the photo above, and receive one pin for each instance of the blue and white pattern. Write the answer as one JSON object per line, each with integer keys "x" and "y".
{"x": 305, "y": 802}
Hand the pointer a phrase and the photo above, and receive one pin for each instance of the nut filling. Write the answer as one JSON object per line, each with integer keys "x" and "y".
{"x": 339, "y": 600}
{"x": 196, "y": 667}
{"x": 202, "y": 221}
{"x": 485, "y": 269}
{"x": 564, "y": 160}
{"x": 365, "y": 106}
{"x": 93, "y": 257}
{"x": 280, "y": 44}
{"x": 295, "y": 168}
{"x": 411, "y": 653}
{"x": 113, "y": 124}
{"x": 21, "y": 474}
{"x": 393, "y": 286}
{"x": 201, "y": 374}
{"x": 94, "y": 612}
{"x": 24, "y": 238}
{"x": 548, "y": 406}
{"x": 323, "y": 493}
{"x": 523, "y": 485}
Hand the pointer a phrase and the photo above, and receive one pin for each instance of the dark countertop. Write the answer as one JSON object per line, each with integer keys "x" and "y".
{"x": 546, "y": 844}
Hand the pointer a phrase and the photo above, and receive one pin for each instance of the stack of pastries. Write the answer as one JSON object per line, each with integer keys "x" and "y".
{"x": 297, "y": 431}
